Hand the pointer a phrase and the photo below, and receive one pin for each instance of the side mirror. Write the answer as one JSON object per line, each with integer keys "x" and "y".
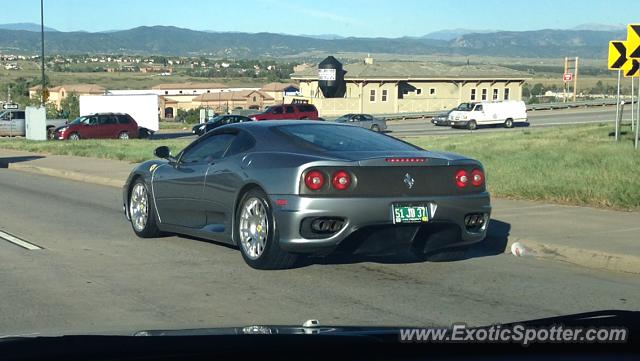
{"x": 162, "y": 152}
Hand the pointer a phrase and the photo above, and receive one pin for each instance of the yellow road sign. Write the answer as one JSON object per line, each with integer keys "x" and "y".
{"x": 617, "y": 54}
{"x": 634, "y": 71}
{"x": 618, "y": 59}
{"x": 633, "y": 41}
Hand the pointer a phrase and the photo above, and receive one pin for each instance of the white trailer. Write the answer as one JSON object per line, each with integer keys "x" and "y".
{"x": 505, "y": 112}
{"x": 141, "y": 107}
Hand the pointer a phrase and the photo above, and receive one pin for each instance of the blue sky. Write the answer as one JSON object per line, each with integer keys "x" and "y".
{"x": 383, "y": 18}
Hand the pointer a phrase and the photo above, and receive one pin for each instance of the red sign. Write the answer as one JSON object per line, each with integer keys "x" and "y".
{"x": 567, "y": 77}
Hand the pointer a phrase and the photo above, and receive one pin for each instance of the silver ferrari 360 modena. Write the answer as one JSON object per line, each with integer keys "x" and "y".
{"x": 281, "y": 189}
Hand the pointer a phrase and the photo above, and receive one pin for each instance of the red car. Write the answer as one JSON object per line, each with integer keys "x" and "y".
{"x": 99, "y": 126}
{"x": 288, "y": 111}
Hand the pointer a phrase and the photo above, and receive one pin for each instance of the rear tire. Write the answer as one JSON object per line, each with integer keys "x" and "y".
{"x": 141, "y": 211}
{"x": 472, "y": 125}
{"x": 375, "y": 128}
{"x": 508, "y": 123}
{"x": 260, "y": 248}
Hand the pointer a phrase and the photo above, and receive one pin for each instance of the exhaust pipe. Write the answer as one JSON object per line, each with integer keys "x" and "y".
{"x": 326, "y": 225}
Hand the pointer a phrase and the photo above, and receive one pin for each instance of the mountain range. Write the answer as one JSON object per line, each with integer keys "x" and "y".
{"x": 25, "y": 27}
{"x": 169, "y": 40}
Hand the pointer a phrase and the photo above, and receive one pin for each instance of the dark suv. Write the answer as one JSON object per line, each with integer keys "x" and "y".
{"x": 220, "y": 120}
{"x": 100, "y": 125}
{"x": 288, "y": 111}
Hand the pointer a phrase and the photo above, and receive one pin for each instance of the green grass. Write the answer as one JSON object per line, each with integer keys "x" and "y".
{"x": 175, "y": 125}
{"x": 133, "y": 150}
{"x": 578, "y": 165}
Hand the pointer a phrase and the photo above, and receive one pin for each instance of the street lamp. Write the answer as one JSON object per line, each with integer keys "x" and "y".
{"x": 44, "y": 90}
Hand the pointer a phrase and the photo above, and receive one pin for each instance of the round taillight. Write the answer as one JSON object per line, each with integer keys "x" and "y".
{"x": 341, "y": 180}
{"x": 462, "y": 178}
{"x": 477, "y": 177}
{"x": 314, "y": 180}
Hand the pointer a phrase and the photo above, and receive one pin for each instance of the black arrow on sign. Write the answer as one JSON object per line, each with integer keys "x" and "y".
{"x": 623, "y": 54}
{"x": 635, "y": 53}
{"x": 635, "y": 65}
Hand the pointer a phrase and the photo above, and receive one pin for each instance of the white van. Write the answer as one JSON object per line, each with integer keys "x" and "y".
{"x": 485, "y": 113}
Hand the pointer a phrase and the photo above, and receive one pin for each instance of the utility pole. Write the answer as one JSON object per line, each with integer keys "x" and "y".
{"x": 44, "y": 89}
{"x": 575, "y": 80}
{"x": 571, "y": 67}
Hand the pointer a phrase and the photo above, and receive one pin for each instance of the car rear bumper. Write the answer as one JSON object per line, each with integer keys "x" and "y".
{"x": 371, "y": 218}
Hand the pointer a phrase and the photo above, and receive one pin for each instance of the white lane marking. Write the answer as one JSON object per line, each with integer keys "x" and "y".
{"x": 18, "y": 242}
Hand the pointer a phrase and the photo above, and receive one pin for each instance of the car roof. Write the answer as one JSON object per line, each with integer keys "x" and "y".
{"x": 275, "y": 123}
{"x": 88, "y": 115}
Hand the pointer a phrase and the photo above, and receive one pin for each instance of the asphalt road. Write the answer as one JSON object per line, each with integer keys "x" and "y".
{"x": 94, "y": 275}
{"x": 419, "y": 127}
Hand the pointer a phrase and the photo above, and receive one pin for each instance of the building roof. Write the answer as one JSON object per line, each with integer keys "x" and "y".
{"x": 408, "y": 70}
{"x": 241, "y": 95}
{"x": 278, "y": 87}
{"x": 75, "y": 88}
{"x": 189, "y": 85}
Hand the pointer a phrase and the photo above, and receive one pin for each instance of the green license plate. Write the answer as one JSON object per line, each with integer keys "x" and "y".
{"x": 410, "y": 213}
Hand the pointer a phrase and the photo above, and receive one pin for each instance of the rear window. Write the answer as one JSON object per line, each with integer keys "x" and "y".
{"x": 124, "y": 119}
{"x": 337, "y": 138}
{"x": 306, "y": 108}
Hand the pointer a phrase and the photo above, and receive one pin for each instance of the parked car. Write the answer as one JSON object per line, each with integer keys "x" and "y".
{"x": 443, "y": 118}
{"x": 490, "y": 113}
{"x": 279, "y": 189}
{"x": 288, "y": 111}
{"x": 365, "y": 121}
{"x": 12, "y": 123}
{"x": 200, "y": 129}
{"x": 99, "y": 125}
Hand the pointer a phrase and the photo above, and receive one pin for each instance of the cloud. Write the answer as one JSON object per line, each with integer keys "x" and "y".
{"x": 325, "y": 15}
{"x": 314, "y": 13}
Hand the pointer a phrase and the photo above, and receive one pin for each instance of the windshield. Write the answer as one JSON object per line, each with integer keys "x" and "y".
{"x": 80, "y": 120}
{"x": 465, "y": 107}
{"x": 369, "y": 194}
{"x": 344, "y": 118}
{"x": 216, "y": 119}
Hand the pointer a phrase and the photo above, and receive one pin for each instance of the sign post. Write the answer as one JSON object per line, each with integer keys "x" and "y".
{"x": 633, "y": 46}
{"x": 617, "y": 133}
{"x": 618, "y": 61}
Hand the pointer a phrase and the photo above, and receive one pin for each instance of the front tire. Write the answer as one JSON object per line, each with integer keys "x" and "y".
{"x": 257, "y": 235}
{"x": 141, "y": 211}
{"x": 74, "y": 136}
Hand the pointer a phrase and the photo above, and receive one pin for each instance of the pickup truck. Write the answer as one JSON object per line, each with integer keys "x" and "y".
{"x": 12, "y": 123}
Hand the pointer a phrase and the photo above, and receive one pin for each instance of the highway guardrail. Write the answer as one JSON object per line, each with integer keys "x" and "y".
{"x": 530, "y": 107}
